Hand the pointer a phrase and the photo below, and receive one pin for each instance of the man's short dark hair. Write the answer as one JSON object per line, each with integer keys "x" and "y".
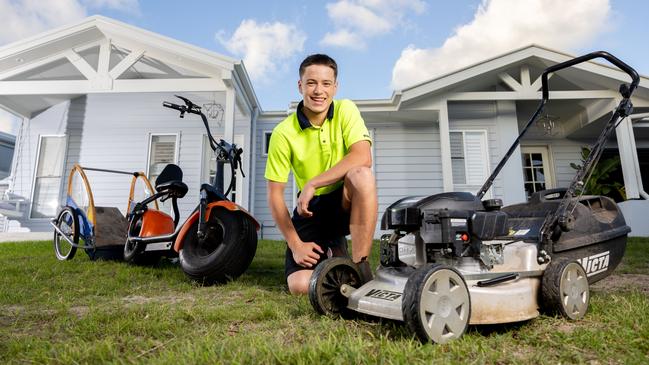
{"x": 319, "y": 59}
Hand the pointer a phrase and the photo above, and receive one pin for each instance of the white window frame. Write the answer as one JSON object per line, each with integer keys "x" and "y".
{"x": 264, "y": 145}
{"x": 63, "y": 172}
{"x": 548, "y": 163}
{"x": 150, "y": 142}
{"x": 485, "y": 153}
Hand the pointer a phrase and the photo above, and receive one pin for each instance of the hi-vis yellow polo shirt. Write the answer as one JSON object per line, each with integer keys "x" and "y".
{"x": 308, "y": 150}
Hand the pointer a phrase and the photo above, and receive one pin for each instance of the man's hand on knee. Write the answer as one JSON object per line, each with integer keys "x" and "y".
{"x": 306, "y": 254}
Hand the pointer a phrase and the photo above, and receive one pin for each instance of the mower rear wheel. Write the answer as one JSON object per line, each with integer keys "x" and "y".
{"x": 564, "y": 289}
{"x": 326, "y": 281}
{"x": 68, "y": 222}
{"x": 436, "y": 305}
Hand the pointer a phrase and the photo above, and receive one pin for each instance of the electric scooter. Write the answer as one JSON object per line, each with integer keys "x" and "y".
{"x": 218, "y": 241}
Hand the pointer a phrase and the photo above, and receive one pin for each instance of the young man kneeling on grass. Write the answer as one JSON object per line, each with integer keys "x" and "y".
{"x": 327, "y": 146}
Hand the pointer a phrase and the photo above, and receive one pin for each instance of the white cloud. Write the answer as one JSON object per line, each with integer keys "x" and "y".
{"x": 358, "y": 20}
{"x": 23, "y": 18}
{"x": 264, "y": 46}
{"x": 500, "y": 26}
{"x": 342, "y": 38}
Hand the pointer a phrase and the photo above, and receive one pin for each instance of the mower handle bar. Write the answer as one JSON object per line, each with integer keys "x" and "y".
{"x": 625, "y": 90}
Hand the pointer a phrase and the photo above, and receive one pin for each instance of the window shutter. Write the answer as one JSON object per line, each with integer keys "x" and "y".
{"x": 476, "y": 159}
{"x": 163, "y": 152}
{"x": 457, "y": 157}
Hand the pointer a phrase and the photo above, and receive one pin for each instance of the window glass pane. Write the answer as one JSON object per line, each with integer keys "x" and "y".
{"x": 458, "y": 171}
{"x": 537, "y": 160}
{"x": 527, "y": 161}
{"x": 529, "y": 189}
{"x": 529, "y": 177}
{"x": 457, "y": 158}
{"x": 538, "y": 175}
{"x": 47, "y": 182}
{"x": 457, "y": 145}
{"x": 51, "y": 156}
{"x": 267, "y": 141}
{"x": 163, "y": 152}
{"x": 46, "y": 197}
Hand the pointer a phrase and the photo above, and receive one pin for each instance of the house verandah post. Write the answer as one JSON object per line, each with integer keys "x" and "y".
{"x": 628, "y": 158}
{"x": 445, "y": 146}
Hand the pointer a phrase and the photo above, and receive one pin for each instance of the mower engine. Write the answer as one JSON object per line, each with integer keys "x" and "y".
{"x": 443, "y": 227}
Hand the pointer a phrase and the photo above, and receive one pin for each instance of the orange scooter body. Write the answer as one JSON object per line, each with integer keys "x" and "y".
{"x": 156, "y": 223}
{"x": 178, "y": 245}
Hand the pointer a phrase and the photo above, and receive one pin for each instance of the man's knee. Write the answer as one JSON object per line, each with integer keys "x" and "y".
{"x": 298, "y": 282}
{"x": 360, "y": 178}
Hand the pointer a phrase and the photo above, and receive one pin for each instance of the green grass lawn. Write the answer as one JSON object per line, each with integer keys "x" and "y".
{"x": 96, "y": 312}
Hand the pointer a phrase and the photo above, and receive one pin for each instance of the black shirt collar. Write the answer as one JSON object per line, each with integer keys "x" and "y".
{"x": 304, "y": 121}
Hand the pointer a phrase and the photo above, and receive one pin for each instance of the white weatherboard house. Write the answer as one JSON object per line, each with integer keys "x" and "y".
{"x": 91, "y": 93}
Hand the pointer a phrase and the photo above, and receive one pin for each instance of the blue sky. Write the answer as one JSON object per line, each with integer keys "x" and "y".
{"x": 380, "y": 45}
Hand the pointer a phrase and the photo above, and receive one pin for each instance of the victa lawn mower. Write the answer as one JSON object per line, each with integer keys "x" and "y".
{"x": 454, "y": 259}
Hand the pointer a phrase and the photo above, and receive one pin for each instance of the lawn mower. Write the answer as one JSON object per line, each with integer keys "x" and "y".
{"x": 218, "y": 240}
{"x": 454, "y": 259}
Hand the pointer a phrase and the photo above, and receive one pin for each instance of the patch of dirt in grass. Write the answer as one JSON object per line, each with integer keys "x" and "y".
{"x": 166, "y": 299}
{"x": 12, "y": 310}
{"x": 80, "y": 311}
{"x": 566, "y": 327}
{"x": 623, "y": 282}
{"x": 521, "y": 352}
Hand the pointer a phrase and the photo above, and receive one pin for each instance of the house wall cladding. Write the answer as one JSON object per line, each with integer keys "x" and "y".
{"x": 261, "y": 210}
{"x": 407, "y": 161}
{"x": 111, "y": 131}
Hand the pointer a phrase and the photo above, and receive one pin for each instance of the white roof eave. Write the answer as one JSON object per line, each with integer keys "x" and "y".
{"x": 441, "y": 83}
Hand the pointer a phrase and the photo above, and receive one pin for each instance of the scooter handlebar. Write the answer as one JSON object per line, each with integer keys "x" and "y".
{"x": 626, "y": 91}
{"x": 181, "y": 108}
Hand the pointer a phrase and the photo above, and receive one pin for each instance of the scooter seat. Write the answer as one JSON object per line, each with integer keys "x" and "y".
{"x": 170, "y": 180}
{"x": 175, "y": 188}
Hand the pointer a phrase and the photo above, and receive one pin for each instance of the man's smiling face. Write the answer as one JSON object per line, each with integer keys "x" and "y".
{"x": 318, "y": 86}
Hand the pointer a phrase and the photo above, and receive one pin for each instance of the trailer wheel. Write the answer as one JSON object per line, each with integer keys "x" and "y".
{"x": 564, "y": 289}
{"x": 436, "y": 305}
{"x": 225, "y": 253}
{"x": 68, "y": 222}
{"x": 325, "y": 283}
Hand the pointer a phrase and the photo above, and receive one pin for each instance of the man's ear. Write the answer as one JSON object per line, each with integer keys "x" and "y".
{"x": 299, "y": 87}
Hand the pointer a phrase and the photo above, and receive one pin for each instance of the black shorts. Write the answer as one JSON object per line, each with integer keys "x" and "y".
{"x": 327, "y": 227}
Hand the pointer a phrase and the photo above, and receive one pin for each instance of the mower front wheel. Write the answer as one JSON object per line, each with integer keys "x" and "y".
{"x": 436, "y": 305}
{"x": 326, "y": 281}
{"x": 564, "y": 289}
